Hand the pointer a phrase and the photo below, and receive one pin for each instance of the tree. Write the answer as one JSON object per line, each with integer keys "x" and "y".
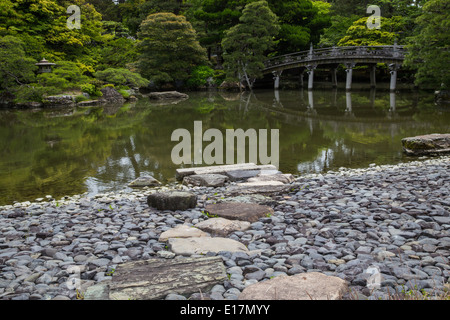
{"x": 359, "y": 35}
{"x": 169, "y": 49}
{"x": 121, "y": 76}
{"x": 301, "y": 22}
{"x": 429, "y": 50}
{"x": 217, "y": 16}
{"x": 16, "y": 69}
{"x": 246, "y": 44}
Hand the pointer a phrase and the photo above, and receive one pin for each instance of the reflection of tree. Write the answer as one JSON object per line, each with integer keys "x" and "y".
{"x": 54, "y": 151}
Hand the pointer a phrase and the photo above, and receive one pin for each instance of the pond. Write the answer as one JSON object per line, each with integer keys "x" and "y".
{"x": 70, "y": 151}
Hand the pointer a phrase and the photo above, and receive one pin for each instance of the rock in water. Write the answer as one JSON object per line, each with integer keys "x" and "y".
{"x": 427, "y": 144}
{"x": 172, "y": 200}
{"x": 144, "y": 181}
{"x": 303, "y": 286}
{"x": 167, "y": 95}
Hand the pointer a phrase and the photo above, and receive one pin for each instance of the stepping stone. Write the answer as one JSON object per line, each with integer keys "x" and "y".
{"x": 221, "y": 226}
{"x": 283, "y": 178}
{"x": 262, "y": 187}
{"x": 145, "y": 181}
{"x": 239, "y": 211}
{"x": 242, "y": 174}
{"x": 203, "y": 245}
{"x": 182, "y": 231}
{"x": 206, "y": 180}
{"x": 181, "y": 173}
{"x": 302, "y": 286}
{"x": 155, "y": 278}
{"x": 172, "y": 200}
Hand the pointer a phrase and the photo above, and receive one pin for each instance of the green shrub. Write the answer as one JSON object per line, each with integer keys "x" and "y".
{"x": 80, "y": 98}
{"x": 91, "y": 89}
{"x": 124, "y": 93}
{"x": 199, "y": 76}
{"x": 121, "y": 77}
{"x": 33, "y": 93}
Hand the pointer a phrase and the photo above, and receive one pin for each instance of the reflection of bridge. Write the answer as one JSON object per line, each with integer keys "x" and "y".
{"x": 349, "y": 56}
{"x": 348, "y": 115}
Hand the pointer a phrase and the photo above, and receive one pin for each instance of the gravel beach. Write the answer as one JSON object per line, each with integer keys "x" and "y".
{"x": 394, "y": 218}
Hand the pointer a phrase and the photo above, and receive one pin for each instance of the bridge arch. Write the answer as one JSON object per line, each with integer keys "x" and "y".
{"x": 308, "y": 60}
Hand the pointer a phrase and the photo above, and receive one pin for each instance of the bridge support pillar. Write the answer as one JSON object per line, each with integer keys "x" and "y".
{"x": 394, "y": 68}
{"x": 373, "y": 69}
{"x": 349, "y": 70}
{"x": 310, "y": 71}
{"x": 276, "y": 78}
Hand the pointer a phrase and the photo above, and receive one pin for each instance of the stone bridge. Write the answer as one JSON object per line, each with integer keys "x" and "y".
{"x": 349, "y": 56}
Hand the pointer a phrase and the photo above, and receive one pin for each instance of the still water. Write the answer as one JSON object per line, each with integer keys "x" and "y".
{"x": 99, "y": 149}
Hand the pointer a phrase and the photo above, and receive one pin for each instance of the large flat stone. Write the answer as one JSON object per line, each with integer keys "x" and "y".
{"x": 303, "y": 286}
{"x": 222, "y": 169}
{"x": 239, "y": 211}
{"x": 221, "y": 226}
{"x": 182, "y": 231}
{"x": 155, "y": 278}
{"x": 427, "y": 144}
{"x": 261, "y": 187}
{"x": 206, "y": 180}
{"x": 280, "y": 177}
{"x": 237, "y": 175}
{"x": 172, "y": 200}
{"x": 203, "y": 245}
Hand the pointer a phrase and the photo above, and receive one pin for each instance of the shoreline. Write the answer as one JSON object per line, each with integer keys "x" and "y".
{"x": 338, "y": 223}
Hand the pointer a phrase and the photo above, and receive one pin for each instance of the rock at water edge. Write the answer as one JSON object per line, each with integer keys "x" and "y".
{"x": 144, "y": 181}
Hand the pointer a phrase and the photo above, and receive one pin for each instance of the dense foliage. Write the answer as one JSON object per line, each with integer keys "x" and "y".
{"x": 174, "y": 42}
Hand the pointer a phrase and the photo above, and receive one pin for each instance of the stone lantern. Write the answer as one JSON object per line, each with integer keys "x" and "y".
{"x": 45, "y": 66}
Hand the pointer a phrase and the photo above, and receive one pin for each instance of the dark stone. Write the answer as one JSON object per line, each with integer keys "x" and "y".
{"x": 111, "y": 95}
{"x": 174, "y": 200}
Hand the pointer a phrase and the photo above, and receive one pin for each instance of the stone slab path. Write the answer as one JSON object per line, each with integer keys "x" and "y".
{"x": 203, "y": 245}
{"x": 221, "y": 226}
{"x": 182, "y": 231}
{"x": 156, "y": 278}
{"x": 181, "y": 173}
{"x": 304, "y": 286}
{"x": 239, "y": 211}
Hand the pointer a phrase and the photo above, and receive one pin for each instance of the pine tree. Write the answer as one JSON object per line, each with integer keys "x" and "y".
{"x": 246, "y": 44}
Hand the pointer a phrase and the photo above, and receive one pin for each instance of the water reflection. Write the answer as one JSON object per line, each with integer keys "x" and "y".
{"x": 97, "y": 149}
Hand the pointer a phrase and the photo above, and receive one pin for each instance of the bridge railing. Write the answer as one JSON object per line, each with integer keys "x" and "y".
{"x": 337, "y": 53}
